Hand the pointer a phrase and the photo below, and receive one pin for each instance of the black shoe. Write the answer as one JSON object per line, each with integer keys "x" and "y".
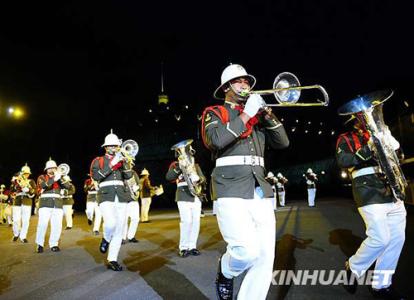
{"x": 96, "y": 232}
{"x": 55, "y": 249}
{"x": 351, "y": 281}
{"x": 133, "y": 240}
{"x": 387, "y": 293}
{"x": 123, "y": 242}
{"x": 15, "y": 238}
{"x": 39, "y": 249}
{"x": 4, "y": 221}
{"x": 195, "y": 252}
{"x": 25, "y": 241}
{"x": 224, "y": 286}
{"x": 202, "y": 214}
{"x": 89, "y": 222}
{"x": 184, "y": 253}
{"x": 10, "y": 225}
{"x": 68, "y": 228}
{"x": 103, "y": 247}
{"x": 114, "y": 266}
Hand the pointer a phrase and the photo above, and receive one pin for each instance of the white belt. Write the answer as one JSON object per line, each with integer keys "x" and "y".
{"x": 111, "y": 182}
{"x": 21, "y": 194}
{"x": 365, "y": 171}
{"x": 240, "y": 160}
{"x": 182, "y": 184}
{"x": 50, "y": 196}
{"x": 92, "y": 192}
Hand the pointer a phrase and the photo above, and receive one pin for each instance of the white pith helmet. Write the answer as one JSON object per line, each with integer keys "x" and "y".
{"x": 112, "y": 140}
{"x": 309, "y": 171}
{"x": 232, "y": 72}
{"x": 144, "y": 172}
{"x": 50, "y": 164}
{"x": 270, "y": 175}
{"x": 279, "y": 175}
{"x": 25, "y": 170}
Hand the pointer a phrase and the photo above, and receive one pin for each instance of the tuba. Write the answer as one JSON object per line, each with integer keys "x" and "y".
{"x": 195, "y": 181}
{"x": 63, "y": 169}
{"x": 129, "y": 149}
{"x": 368, "y": 109}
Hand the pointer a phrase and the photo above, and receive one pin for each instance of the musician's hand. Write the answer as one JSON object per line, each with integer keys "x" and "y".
{"x": 253, "y": 104}
{"x": 116, "y": 159}
{"x": 194, "y": 178}
{"x": 25, "y": 190}
{"x": 57, "y": 176}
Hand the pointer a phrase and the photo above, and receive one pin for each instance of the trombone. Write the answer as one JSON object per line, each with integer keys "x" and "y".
{"x": 287, "y": 91}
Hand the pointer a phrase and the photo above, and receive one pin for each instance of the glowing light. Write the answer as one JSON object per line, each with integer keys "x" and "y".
{"x": 297, "y": 121}
{"x": 309, "y": 122}
{"x": 293, "y": 129}
{"x": 150, "y": 110}
{"x": 344, "y": 174}
{"x": 306, "y": 131}
{"x": 156, "y": 120}
{"x": 320, "y": 132}
{"x": 332, "y": 132}
{"x": 186, "y": 107}
{"x": 15, "y": 112}
{"x": 10, "y": 110}
{"x": 282, "y": 119}
{"x": 168, "y": 108}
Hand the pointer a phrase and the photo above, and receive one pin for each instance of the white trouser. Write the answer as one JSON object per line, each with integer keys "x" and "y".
{"x": 113, "y": 214}
{"x": 311, "y": 197}
{"x": 68, "y": 211}
{"x": 55, "y": 215}
{"x": 145, "y": 206}
{"x": 3, "y": 211}
{"x": 215, "y": 208}
{"x": 282, "y": 198}
{"x": 17, "y": 219}
{"x": 133, "y": 213}
{"x": 91, "y": 208}
{"x": 274, "y": 202}
{"x": 249, "y": 228}
{"x": 189, "y": 223}
{"x": 385, "y": 230}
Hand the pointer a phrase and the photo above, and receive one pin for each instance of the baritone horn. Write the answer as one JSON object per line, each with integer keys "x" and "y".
{"x": 129, "y": 149}
{"x": 287, "y": 91}
{"x": 63, "y": 169}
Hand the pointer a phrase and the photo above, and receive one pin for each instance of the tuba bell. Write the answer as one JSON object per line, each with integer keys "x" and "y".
{"x": 195, "y": 181}
{"x": 129, "y": 149}
{"x": 368, "y": 110}
{"x": 63, "y": 169}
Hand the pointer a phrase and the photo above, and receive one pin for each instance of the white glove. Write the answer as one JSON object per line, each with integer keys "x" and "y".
{"x": 194, "y": 178}
{"x": 25, "y": 190}
{"x": 57, "y": 176}
{"x": 253, "y": 104}
{"x": 117, "y": 158}
{"x": 135, "y": 188}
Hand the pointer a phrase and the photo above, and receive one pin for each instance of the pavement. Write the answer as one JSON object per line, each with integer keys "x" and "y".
{"x": 319, "y": 238}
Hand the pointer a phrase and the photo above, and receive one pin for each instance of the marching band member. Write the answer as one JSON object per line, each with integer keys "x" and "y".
{"x": 4, "y": 202}
{"x": 49, "y": 186}
{"x": 189, "y": 206}
{"x": 311, "y": 185}
{"x": 146, "y": 190}
{"x": 110, "y": 171}
{"x": 132, "y": 210}
{"x": 235, "y": 133}
{"x": 383, "y": 212}
{"x": 273, "y": 181}
{"x": 92, "y": 208}
{"x": 280, "y": 187}
{"x": 67, "y": 198}
{"x": 24, "y": 191}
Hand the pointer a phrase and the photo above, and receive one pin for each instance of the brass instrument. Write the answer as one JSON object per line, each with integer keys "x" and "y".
{"x": 63, "y": 170}
{"x": 287, "y": 91}
{"x": 194, "y": 180}
{"x": 129, "y": 149}
{"x": 368, "y": 110}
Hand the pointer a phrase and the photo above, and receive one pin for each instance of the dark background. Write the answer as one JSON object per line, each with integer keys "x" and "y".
{"x": 81, "y": 68}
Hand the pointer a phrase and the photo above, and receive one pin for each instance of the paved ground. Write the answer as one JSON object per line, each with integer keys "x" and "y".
{"x": 307, "y": 238}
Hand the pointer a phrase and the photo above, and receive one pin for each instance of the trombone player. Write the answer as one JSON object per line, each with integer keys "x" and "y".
{"x": 366, "y": 152}
{"x": 111, "y": 171}
{"x": 24, "y": 190}
{"x": 235, "y": 134}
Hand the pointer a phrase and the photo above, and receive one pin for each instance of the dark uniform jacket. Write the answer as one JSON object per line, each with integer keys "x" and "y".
{"x": 22, "y": 197}
{"x": 67, "y": 196}
{"x": 102, "y": 172}
{"x": 174, "y": 174}
{"x": 90, "y": 189}
{"x": 223, "y": 140}
{"x": 146, "y": 189}
{"x": 280, "y": 185}
{"x": 366, "y": 189}
{"x": 311, "y": 180}
{"x": 47, "y": 186}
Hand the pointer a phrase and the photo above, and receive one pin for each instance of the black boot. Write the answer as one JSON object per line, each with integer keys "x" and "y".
{"x": 387, "y": 293}
{"x": 39, "y": 249}
{"x": 114, "y": 266}
{"x": 15, "y": 238}
{"x": 351, "y": 280}
{"x": 224, "y": 285}
{"x": 184, "y": 253}
{"x": 195, "y": 252}
{"x": 89, "y": 222}
{"x": 103, "y": 247}
{"x": 55, "y": 249}
{"x": 133, "y": 240}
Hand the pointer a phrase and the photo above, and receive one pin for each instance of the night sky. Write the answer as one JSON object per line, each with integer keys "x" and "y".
{"x": 82, "y": 68}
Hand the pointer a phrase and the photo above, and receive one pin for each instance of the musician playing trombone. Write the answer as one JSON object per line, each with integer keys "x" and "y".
{"x": 235, "y": 133}
{"x": 24, "y": 190}
{"x": 189, "y": 205}
{"x": 111, "y": 171}
{"x": 384, "y": 214}
{"x": 49, "y": 186}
